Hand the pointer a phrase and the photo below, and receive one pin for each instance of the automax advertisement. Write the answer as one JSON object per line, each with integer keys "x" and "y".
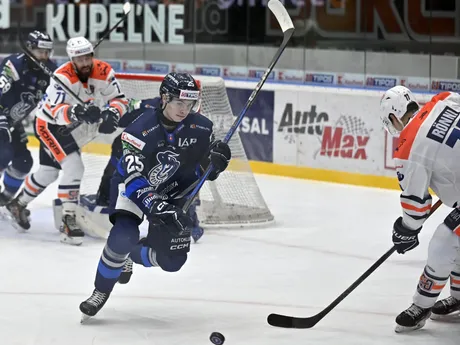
{"x": 328, "y": 130}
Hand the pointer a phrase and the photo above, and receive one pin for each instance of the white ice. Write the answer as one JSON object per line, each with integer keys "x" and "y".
{"x": 325, "y": 237}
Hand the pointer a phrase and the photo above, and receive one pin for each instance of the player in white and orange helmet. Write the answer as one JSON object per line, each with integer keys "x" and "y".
{"x": 63, "y": 126}
{"x": 425, "y": 158}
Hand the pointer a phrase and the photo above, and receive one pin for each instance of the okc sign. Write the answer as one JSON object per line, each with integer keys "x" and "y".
{"x": 365, "y": 19}
{"x": 61, "y": 22}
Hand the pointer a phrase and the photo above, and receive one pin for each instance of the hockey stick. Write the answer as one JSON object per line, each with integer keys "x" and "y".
{"x": 126, "y": 10}
{"x": 50, "y": 73}
{"x": 285, "y": 22}
{"x": 284, "y": 321}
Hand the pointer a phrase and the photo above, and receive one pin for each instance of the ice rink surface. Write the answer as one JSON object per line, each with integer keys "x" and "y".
{"x": 326, "y": 235}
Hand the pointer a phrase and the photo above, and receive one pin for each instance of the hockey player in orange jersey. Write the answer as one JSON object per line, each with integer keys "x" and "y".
{"x": 63, "y": 126}
{"x": 425, "y": 158}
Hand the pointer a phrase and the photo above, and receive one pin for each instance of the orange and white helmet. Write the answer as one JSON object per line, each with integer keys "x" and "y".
{"x": 397, "y": 101}
{"x": 78, "y": 46}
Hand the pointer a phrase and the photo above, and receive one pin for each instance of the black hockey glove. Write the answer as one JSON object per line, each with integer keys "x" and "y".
{"x": 111, "y": 117}
{"x": 219, "y": 155}
{"x": 178, "y": 222}
{"x": 403, "y": 238}
{"x": 92, "y": 114}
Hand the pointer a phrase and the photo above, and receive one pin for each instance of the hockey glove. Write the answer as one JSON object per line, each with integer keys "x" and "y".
{"x": 219, "y": 155}
{"x": 176, "y": 219}
{"x": 111, "y": 117}
{"x": 92, "y": 114}
{"x": 404, "y": 239}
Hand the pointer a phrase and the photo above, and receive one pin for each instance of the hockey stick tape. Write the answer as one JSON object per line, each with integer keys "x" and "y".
{"x": 282, "y": 16}
{"x": 126, "y": 7}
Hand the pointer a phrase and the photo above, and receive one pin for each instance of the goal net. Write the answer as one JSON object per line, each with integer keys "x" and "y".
{"x": 234, "y": 199}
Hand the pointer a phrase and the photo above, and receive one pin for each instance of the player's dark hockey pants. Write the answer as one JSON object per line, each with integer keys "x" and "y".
{"x": 158, "y": 249}
{"x": 16, "y": 153}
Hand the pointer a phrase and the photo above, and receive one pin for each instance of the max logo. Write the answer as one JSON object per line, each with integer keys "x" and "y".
{"x": 167, "y": 167}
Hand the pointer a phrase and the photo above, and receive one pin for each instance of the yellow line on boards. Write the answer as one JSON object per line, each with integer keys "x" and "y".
{"x": 279, "y": 170}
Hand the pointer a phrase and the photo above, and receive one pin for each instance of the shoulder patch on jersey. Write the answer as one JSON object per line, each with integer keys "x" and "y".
{"x": 10, "y": 70}
{"x": 132, "y": 140}
{"x": 200, "y": 121}
{"x": 68, "y": 72}
{"x": 151, "y": 129}
{"x": 101, "y": 70}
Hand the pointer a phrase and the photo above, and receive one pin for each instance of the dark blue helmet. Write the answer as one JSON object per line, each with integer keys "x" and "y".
{"x": 39, "y": 40}
{"x": 181, "y": 86}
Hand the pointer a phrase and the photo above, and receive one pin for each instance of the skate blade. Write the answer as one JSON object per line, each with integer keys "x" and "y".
{"x": 74, "y": 241}
{"x": 452, "y": 317}
{"x": 5, "y": 215}
{"x": 84, "y": 318}
{"x": 404, "y": 329}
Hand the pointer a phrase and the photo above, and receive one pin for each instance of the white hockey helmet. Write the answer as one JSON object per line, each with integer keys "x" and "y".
{"x": 397, "y": 101}
{"x": 78, "y": 46}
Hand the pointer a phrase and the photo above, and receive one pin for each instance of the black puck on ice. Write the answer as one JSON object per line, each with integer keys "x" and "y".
{"x": 217, "y": 338}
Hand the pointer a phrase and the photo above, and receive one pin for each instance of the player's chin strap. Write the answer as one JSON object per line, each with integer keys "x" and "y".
{"x": 285, "y": 22}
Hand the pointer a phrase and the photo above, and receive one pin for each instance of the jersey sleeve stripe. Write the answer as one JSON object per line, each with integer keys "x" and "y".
{"x": 61, "y": 107}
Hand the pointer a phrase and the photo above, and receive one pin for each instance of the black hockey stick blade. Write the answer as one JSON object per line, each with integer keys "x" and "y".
{"x": 285, "y": 22}
{"x": 126, "y": 10}
{"x": 285, "y": 321}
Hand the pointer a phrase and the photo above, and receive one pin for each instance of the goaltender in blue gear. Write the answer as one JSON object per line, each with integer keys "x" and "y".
{"x": 165, "y": 151}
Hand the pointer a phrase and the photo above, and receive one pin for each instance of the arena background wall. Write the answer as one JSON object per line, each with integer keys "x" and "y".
{"x": 322, "y": 127}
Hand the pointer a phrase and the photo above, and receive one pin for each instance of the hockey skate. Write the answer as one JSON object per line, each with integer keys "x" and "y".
{"x": 4, "y": 199}
{"x": 126, "y": 272}
{"x": 447, "y": 309}
{"x": 19, "y": 215}
{"x": 412, "y": 319}
{"x": 92, "y": 305}
{"x": 70, "y": 231}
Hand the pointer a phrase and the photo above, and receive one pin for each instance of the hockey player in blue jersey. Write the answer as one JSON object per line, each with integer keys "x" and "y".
{"x": 22, "y": 86}
{"x": 93, "y": 215}
{"x": 137, "y": 107}
{"x": 165, "y": 152}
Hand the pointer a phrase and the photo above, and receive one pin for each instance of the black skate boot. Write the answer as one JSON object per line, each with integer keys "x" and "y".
{"x": 19, "y": 214}
{"x": 446, "y": 309}
{"x": 70, "y": 231}
{"x": 412, "y": 319}
{"x": 4, "y": 199}
{"x": 92, "y": 305}
{"x": 126, "y": 272}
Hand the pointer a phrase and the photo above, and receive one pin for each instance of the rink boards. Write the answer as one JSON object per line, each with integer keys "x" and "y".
{"x": 312, "y": 132}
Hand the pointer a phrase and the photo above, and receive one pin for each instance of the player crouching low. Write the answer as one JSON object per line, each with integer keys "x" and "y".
{"x": 428, "y": 143}
{"x": 165, "y": 151}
